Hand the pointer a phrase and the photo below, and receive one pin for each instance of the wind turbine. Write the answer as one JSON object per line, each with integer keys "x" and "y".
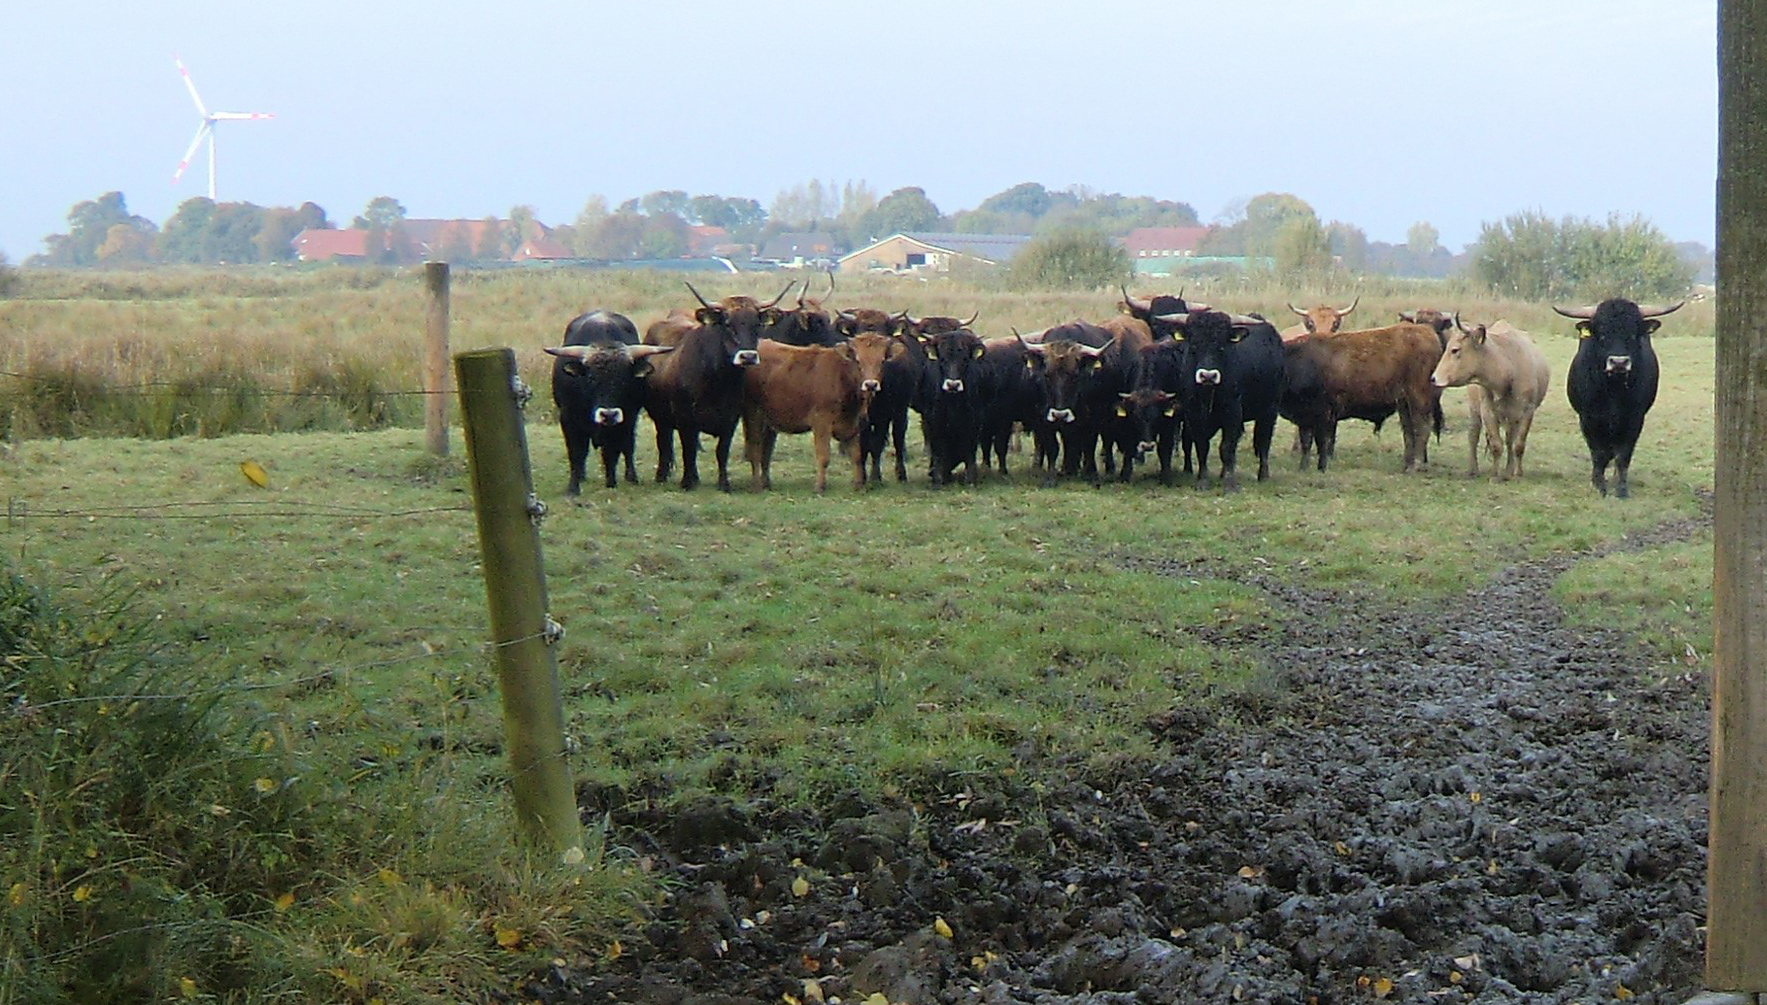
{"x": 207, "y": 129}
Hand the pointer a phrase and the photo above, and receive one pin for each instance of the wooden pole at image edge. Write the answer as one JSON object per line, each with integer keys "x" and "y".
{"x": 1736, "y": 917}
{"x": 515, "y": 590}
{"x": 435, "y": 358}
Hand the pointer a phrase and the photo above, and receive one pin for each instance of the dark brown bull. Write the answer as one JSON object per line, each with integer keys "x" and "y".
{"x": 1441, "y": 321}
{"x": 698, "y": 388}
{"x": 806, "y": 324}
{"x": 812, "y": 389}
{"x": 1354, "y": 374}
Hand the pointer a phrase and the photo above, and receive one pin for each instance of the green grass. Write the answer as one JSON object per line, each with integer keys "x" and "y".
{"x": 895, "y": 643}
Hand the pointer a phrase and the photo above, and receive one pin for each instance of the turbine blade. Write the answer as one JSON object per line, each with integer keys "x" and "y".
{"x": 242, "y": 115}
{"x": 182, "y": 72}
{"x": 201, "y": 131}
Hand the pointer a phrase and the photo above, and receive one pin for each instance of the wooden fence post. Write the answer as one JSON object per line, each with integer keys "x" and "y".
{"x": 515, "y": 589}
{"x": 435, "y": 358}
{"x": 1736, "y": 916}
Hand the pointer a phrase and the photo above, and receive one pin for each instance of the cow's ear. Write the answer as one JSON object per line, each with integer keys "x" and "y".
{"x": 771, "y": 316}
{"x": 1479, "y": 334}
{"x": 846, "y": 351}
{"x": 1239, "y": 332}
{"x": 844, "y": 325}
{"x": 1122, "y": 410}
{"x": 574, "y": 368}
{"x": 978, "y": 351}
{"x": 1585, "y": 329}
{"x": 1651, "y": 325}
{"x": 902, "y": 327}
{"x": 1170, "y": 410}
{"x": 897, "y": 350}
{"x": 707, "y": 316}
{"x": 642, "y": 369}
{"x": 1177, "y": 336}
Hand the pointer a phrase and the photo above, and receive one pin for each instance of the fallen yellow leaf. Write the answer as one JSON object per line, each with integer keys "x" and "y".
{"x": 813, "y": 991}
{"x": 876, "y": 998}
{"x": 389, "y": 877}
{"x": 1383, "y": 987}
{"x": 187, "y": 987}
{"x": 800, "y": 887}
{"x": 82, "y": 893}
{"x": 264, "y": 785}
{"x": 284, "y": 902}
{"x": 941, "y": 928}
{"x": 1622, "y": 992}
{"x": 508, "y": 938}
{"x": 615, "y": 950}
{"x": 255, "y": 473}
{"x": 15, "y": 897}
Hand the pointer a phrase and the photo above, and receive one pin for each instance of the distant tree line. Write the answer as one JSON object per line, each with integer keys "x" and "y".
{"x": 1077, "y": 233}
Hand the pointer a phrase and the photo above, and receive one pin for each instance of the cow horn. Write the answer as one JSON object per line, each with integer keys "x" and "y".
{"x": 782, "y": 294}
{"x": 1580, "y": 313}
{"x": 1037, "y": 347}
{"x": 1174, "y": 319}
{"x": 638, "y": 352}
{"x": 1350, "y": 308}
{"x": 1297, "y": 310}
{"x": 1244, "y": 319}
{"x": 1125, "y": 395}
{"x": 1196, "y": 306}
{"x": 1410, "y": 316}
{"x": 696, "y": 296}
{"x": 1457, "y": 324}
{"x": 803, "y": 293}
{"x": 577, "y": 352}
{"x": 1134, "y": 304}
{"x": 972, "y": 318}
{"x": 830, "y": 292}
{"x": 1657, "y": 310}
{"x": 1091, "y": 351}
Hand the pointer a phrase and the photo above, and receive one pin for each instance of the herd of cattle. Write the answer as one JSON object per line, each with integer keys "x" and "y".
{"x": 1161, "y": 374}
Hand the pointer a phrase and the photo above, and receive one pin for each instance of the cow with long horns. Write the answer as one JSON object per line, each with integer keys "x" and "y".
{"x": 1322, "y": 319}
{"x": 698, "y": 388}
{"x": 1079, "y": 372}
{"x": 806, "y": 324}
{"x": 1613, "y": 382}
{"x": 598, "y": 388}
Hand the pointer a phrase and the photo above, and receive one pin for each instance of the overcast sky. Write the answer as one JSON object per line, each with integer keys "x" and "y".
{"x": 1380, "y": 113}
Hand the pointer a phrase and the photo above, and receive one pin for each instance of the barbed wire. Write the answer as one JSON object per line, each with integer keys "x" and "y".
{"x": 146, "y": 386}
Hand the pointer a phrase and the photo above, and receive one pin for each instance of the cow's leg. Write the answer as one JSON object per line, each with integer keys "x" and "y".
{"x": 1230, "y": 437}
{"x": 1522, "y": 426}
{"x": 1495, "y": 431}
{"x": 723, "y": 451}
{"x": 610, "y": 464}
{"x": 665, "y": 452}
{"x": 1599, "y": 456}
{"x": 769, "y": 440}
{"x": 1408, "y": 424}
{"x": 1263, "y": 434}
{"x": 689, "y": 458}
{"x": 1623, "y": 464}
{"x": 850, "y": 447}
{"x": 576, "y": 450}
{"x": 899, "y": 438}
{"x": 1089, "y": 456}
{"x": 819, "y": 440}
{"x": 1475, "y": 422}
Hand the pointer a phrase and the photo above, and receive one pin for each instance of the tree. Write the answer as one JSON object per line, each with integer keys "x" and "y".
{"x": 1028, "y": 198}
{"x": 1301, "y": 248}
{"x": 454, "y": 243}
{"x": 616, "y": 236}
{"x": 524, "y": 225}
{"x": 89, "y": 226}
{"x": 8, "y": 276}
{"x": 1348, "y": 244}
{"x": 1530, "y": 255}
{"x": 384, "y": 220}
{"x": 493, "y": 243}
{"x": 664, "y": 236}
{"x": 1423, "y": 239}
{"x": 673, "y": 202}
{"x": 181, "y": 241}
{"x": 1069, "y": 259}
{"x": 275, "y": 239}
{"x": 1255, "y": 232}
{"x": 905, "y": 209}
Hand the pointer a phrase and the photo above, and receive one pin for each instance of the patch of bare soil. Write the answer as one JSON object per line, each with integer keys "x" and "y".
{"x": 1468, "y": 803}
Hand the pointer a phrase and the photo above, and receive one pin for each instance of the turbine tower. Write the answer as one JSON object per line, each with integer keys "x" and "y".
{"x": 207, "y": 129}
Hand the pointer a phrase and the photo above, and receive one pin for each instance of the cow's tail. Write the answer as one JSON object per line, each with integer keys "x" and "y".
{"x": 1437, "y": 417}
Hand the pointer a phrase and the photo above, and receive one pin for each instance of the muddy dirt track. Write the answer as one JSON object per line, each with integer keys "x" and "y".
{"x": 1418, "y": 809}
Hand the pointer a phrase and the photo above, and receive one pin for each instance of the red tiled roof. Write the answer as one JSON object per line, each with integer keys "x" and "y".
{"x": 313, "y": 245}
{"x": 1183, "y": 239}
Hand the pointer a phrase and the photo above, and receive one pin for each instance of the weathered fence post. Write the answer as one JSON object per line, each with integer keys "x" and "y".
{"x": 435, "y": 358}
{"x": 1736, "y": 916}
{"x": 515, "y": 588}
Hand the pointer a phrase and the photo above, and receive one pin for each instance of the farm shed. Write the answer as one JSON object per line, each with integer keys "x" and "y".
{"x": 932, "y": 252}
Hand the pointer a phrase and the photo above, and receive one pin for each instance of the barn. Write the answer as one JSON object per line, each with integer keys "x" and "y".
{"x": 923, "y": 251}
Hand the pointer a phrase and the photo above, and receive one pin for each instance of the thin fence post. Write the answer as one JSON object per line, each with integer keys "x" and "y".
{"x": 435, "y": 358}
{"x": 515, "y": 588}
{"x": 1736, "y": 915}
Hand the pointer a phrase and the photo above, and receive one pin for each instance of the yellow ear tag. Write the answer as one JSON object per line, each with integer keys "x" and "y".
{"x": 1583, "y": 333}
{"x": 1122, "y": 413}
{"x": 1171, "y": 410}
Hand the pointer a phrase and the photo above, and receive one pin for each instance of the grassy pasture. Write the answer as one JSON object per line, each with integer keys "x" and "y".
{"x": 784, "y": 646}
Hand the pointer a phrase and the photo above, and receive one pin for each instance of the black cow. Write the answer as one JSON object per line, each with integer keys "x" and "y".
{"x": 698, "y": 388}
{"x": 1151, "y": 411}
{"x": 598, "y": 386}
{"x": 953, "y": 418}
{"x": 1010, "y": 397}
{"x": 915, "y": 332}
{"x": 806, "y": 324}
{"x": 1080, "y": 373}
{"x": 1613, "y": 382}
{"x": 1236, "y": 368}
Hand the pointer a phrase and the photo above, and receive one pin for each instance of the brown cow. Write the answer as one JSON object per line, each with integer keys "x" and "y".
{"x": 886, "y": 422}
{"x": 1505, "y": 376}
{"x": 1356, "y": 374}
{"x": 812, "y": 389}
{"x": 1323, "y": 319}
